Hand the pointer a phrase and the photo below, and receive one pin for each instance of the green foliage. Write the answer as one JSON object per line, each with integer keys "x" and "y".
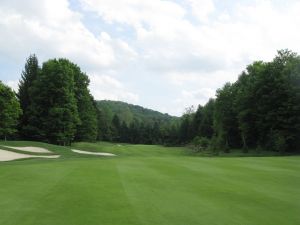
{"x": 225, "y": 123}
{"x": 104, "y": 128}
{"x": 128, "y": 112}
{"x": 123, "y": 122}
{"x": 9, "y": 111}
{"x": 186, "y": 129}
{"x": 277, "y": 141}
{"x": 276, "y": 102}
{"x": 197, "y": 121}
{"x": 87, "y": 129}
{"x": 201, "y": 143}
{"x": 116, "y": 128}
{"x": 206, "y": 126}
{"x": 260, "y": 110}
{"x": 56, "y": 102}
{"x": 25, "y": 95}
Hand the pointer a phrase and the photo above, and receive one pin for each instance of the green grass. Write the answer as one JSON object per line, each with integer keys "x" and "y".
{"x": 148, "y": 185}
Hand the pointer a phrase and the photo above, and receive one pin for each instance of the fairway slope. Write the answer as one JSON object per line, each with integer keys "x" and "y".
{"x": 146, "y": 185}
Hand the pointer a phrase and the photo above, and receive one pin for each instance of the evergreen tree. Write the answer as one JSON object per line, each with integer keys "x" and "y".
{"x": 134, "y": 132}
{"x": 206, "y": 126}
{"x": 124, "y": 132}
{"x": 28, "y": 77}
{"x": 185, "y": 133}
{"x": 154, "y": 133}
{"x": 116, "y": 128}
{"x": 104, "y": 128}
{"x": 197, "y": 122}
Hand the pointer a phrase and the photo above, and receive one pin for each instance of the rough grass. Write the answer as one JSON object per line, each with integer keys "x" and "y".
{"x": 148, "y": 185}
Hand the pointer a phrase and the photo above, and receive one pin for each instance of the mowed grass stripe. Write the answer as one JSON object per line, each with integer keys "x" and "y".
{"x": 24, "y": 188}
{"x": 77, "y": 192}
{"x": 210, "y": 191}
{"x": 157, "y": 197}
{"x": 149, "y": 185}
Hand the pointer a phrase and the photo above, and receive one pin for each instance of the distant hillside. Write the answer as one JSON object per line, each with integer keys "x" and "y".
{"x": 129, "y": 112}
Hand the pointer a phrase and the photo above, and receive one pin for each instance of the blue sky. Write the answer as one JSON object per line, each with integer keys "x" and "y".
{"x": 161, "y": 54}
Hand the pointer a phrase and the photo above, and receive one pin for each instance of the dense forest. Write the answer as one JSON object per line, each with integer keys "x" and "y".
{"x": 123, "y": 122}
{"x": 261, "y": 110}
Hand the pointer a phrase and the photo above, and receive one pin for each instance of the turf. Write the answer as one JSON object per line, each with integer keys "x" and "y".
{"x": 148, "y": 185}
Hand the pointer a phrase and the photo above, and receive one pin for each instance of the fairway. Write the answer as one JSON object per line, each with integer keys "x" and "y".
{"x": 148, "y": 185}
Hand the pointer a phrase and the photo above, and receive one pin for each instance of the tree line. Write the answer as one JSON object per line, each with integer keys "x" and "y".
{"x": 261, "y": 110}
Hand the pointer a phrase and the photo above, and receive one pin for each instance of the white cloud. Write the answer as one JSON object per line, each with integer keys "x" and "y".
{"x": 51, "y": 29}
{"x": 13, "y": 84}
{"x": 168, "y": 41}
{"x": 105, "y": 87}
{"x": 136, "y": 13}
{"x": 187, "y": 46}
{"x": 212, "y": 80}
{"x": 201, "y": 9}
{"x": 193, "y": 98}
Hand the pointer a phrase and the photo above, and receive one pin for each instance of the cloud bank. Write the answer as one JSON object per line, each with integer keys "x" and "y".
{"x": 161, "y": 54}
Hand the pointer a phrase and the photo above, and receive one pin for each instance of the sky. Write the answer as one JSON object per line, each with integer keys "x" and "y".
{"x": 161, "y": 54}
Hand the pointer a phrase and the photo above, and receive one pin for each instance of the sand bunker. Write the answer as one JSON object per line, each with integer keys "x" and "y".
{"x": 29, "y": 149}
{"x": 93, "y": 153}
{"x": 9, "y": 156}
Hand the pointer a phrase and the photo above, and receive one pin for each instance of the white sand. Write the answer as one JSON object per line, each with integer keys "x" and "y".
{"x": 29, "y": 149}
{"x": 9, "y": 156}
{"x": 93, "y": 153}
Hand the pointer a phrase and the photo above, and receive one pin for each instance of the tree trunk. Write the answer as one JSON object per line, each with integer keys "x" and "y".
{"x": 245, "y": 147}
{"x": 227, "y": 145}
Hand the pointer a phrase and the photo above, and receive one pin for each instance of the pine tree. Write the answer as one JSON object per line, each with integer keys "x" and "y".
{"x": 206, "y": 126}
{"x": 116, "y": 128}
{"x": 28, "y": 77}
{"x": 197, "y": 121}
{"x": 104, "y": 129}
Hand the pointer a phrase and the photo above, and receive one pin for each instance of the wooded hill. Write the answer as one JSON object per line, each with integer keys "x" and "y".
{"x": 129, "y": 112}
{"x": 120, "y": 121}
